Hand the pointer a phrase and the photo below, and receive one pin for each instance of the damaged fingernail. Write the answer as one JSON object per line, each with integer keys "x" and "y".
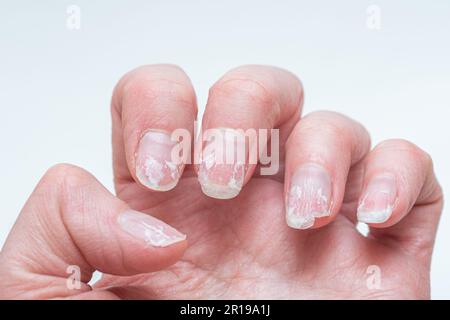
{"x": 378, "y": 200}
{"x": 152, "y": 231}
{"x": 221, "y": 170}
{"x": 309, "y": 196}
{"x": 155, "y": 167}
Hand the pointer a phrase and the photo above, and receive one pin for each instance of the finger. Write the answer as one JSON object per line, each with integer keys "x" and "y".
{"x": 243, "y": 101}
{"x": 400, "y": 189}
{"x": 71, "y": 220}
{"x": 149, "y": 106}
{"x": 319, "y": 154}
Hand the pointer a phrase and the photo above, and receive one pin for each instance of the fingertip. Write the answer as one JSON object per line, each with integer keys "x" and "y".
{"x": 149, "y": 244}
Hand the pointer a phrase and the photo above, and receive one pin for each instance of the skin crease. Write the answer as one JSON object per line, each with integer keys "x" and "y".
{"x": 237, "y": 249}
{"x": 243, "y": 249}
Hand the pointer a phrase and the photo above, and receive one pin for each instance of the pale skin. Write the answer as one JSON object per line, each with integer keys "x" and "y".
{"x": 239, "y": 248}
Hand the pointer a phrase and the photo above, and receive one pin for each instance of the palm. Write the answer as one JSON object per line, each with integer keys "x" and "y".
{"x": 243, "y": 248}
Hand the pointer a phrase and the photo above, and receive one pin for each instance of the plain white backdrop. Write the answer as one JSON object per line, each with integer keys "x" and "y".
{"x": 392, "y": 74}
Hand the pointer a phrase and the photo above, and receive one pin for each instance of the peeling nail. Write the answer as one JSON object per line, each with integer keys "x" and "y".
{"x": 221, "y": 170}
{"x": 378, "y": 200}
{"x": 309, "y": 196}
{"x": 155, "y": 167}
{"x": 152, "y": 231}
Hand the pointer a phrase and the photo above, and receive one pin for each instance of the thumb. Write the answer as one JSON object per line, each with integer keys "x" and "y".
{"x": 72, "y": 221}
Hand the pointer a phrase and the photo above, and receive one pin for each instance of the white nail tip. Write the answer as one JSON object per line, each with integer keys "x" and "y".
{"x": 305, "y": 221}
{"x": 220, "y": 192}
{"x": 309, "y": 197}
{"x": 152, "y": 231}
{"x": 375, "y": 216}
{"x": 155, "y": 237}
{"x": 301, "y": 223}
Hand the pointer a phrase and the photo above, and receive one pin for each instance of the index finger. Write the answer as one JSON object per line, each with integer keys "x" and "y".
{"x": 148, "y": 104}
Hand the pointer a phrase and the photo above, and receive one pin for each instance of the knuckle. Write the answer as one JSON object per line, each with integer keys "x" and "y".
{"x": 324, "y": 115}
{"x": 142, "y": 89}
{"x": 258, "y": 87}
{"x": 53, "y": 194}
{"x": 408, "y": 148}
{"x": 243, "y": 87}
{"x": 329, "y": 118}
{"x": 64, "y": 177}
{"x": 170, "y": 67}
{"x": 68, "y": 187}
{"x": 397, "y": 144}
{"x": 155, "y": 71}
{"x": 327, "y": 122}
{"x": 150, "y": 83}
{"x": 336, "y": 129}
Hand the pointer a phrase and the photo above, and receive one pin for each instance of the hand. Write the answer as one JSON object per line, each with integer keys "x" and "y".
{"x": 240, "y": 247}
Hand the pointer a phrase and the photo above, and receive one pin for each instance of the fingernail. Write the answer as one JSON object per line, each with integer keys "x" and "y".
{"x": 222, "y": 164}
{"x": 378, "y": 200}
{"x": 309, "y": 196}
{"x": 155, "y": 167}
{"x": 152, "y": 231}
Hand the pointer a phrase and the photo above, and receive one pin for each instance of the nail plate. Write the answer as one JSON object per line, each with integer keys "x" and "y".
{"x": 155, "y": 167}
{"x": 221, "y": 170}
{"x": 309, "y": 196}
{"x": 378, "y": 200}
{"x": 152, "y": 231}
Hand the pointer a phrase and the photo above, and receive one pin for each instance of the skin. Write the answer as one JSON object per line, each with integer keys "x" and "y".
{"x": 239, "y": 248}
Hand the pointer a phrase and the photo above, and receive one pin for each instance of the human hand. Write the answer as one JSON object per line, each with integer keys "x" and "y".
{"x": 240, "y": 247}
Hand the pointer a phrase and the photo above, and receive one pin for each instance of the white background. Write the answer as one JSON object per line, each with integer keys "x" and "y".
{"x": 55, "y": 83}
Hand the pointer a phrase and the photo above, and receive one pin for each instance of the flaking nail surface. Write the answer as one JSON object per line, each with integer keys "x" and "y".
{"x": 378, "y": 200}
{"x": 152, "y": 231}
{"x": 155, "y": 167}
{"x": 221, "y": 172}
{"x": 309, "y": 196}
